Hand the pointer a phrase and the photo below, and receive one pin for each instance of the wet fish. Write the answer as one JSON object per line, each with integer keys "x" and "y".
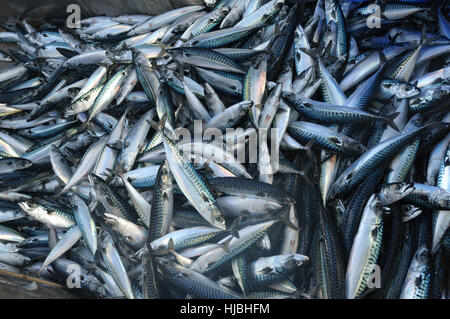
{"x": 230, "y": 149}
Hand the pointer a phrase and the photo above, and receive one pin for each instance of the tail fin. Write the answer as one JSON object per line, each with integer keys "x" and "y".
{"x": 163, "y": 46}
{"x": 158, "y": 126}
{"x": 67, "y": 52}
{"x": 184, "y": 261}
{"x": 312, "y": 54}
{"x": 390, "y": 120}
{"x": 394, "y": 37}
{"x": 310, "y": 144}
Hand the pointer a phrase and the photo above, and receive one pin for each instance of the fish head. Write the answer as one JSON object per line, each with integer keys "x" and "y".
{"x": 354, "y": 147}
{"x": 410, "y": 212}
{"x": 407, "y": 90}
{"x": 292, "y": 261}
{"x": 394, "y": 192}
{"x": 94, "y": 286}
{"x": 223, "y": 12}
{"x": 31, "y": 208}
{"x": 17, "y": 163}
{"x": 216, "y": 219}
{"x": 339, "y": 186}
{"x": 167, "y": 266}
{"x": 299, "y": 259}
{"x": 288, "y": 96}
{"x": 119, "y": 55}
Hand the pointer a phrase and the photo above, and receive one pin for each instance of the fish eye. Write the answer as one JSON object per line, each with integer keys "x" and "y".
{"x": 219, "y": 219}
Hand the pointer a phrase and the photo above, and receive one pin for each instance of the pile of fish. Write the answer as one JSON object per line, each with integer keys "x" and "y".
{"x": 99, "y": 192}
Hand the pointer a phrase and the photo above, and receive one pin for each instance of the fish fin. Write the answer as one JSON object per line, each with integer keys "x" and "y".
{"x": 52, "y": 237}
{"x": 125, "y": 46}
{"x": 311, "y": 53}
{"x": 93, "y": 205}
{"x": 310, "y": 144}
{"x": 161, "y": 54}
{"x": 383, "y": 57}
{"x": 106, "y": 63}
{"x": 158, "y": 126}
{"x": 170, "y": 245}
{"x": 390, "y": 120}
{"x": 225, "y": 245}
{"x": 234, "y": 230}
{"x": 67, "y": 52}
{"x": 163, "y": 46}
{"x": 394, "y": 38}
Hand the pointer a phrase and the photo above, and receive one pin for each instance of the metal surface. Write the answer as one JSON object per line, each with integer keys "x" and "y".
{"x": 35, "y": 10}
{"x": 20, "y": 288}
